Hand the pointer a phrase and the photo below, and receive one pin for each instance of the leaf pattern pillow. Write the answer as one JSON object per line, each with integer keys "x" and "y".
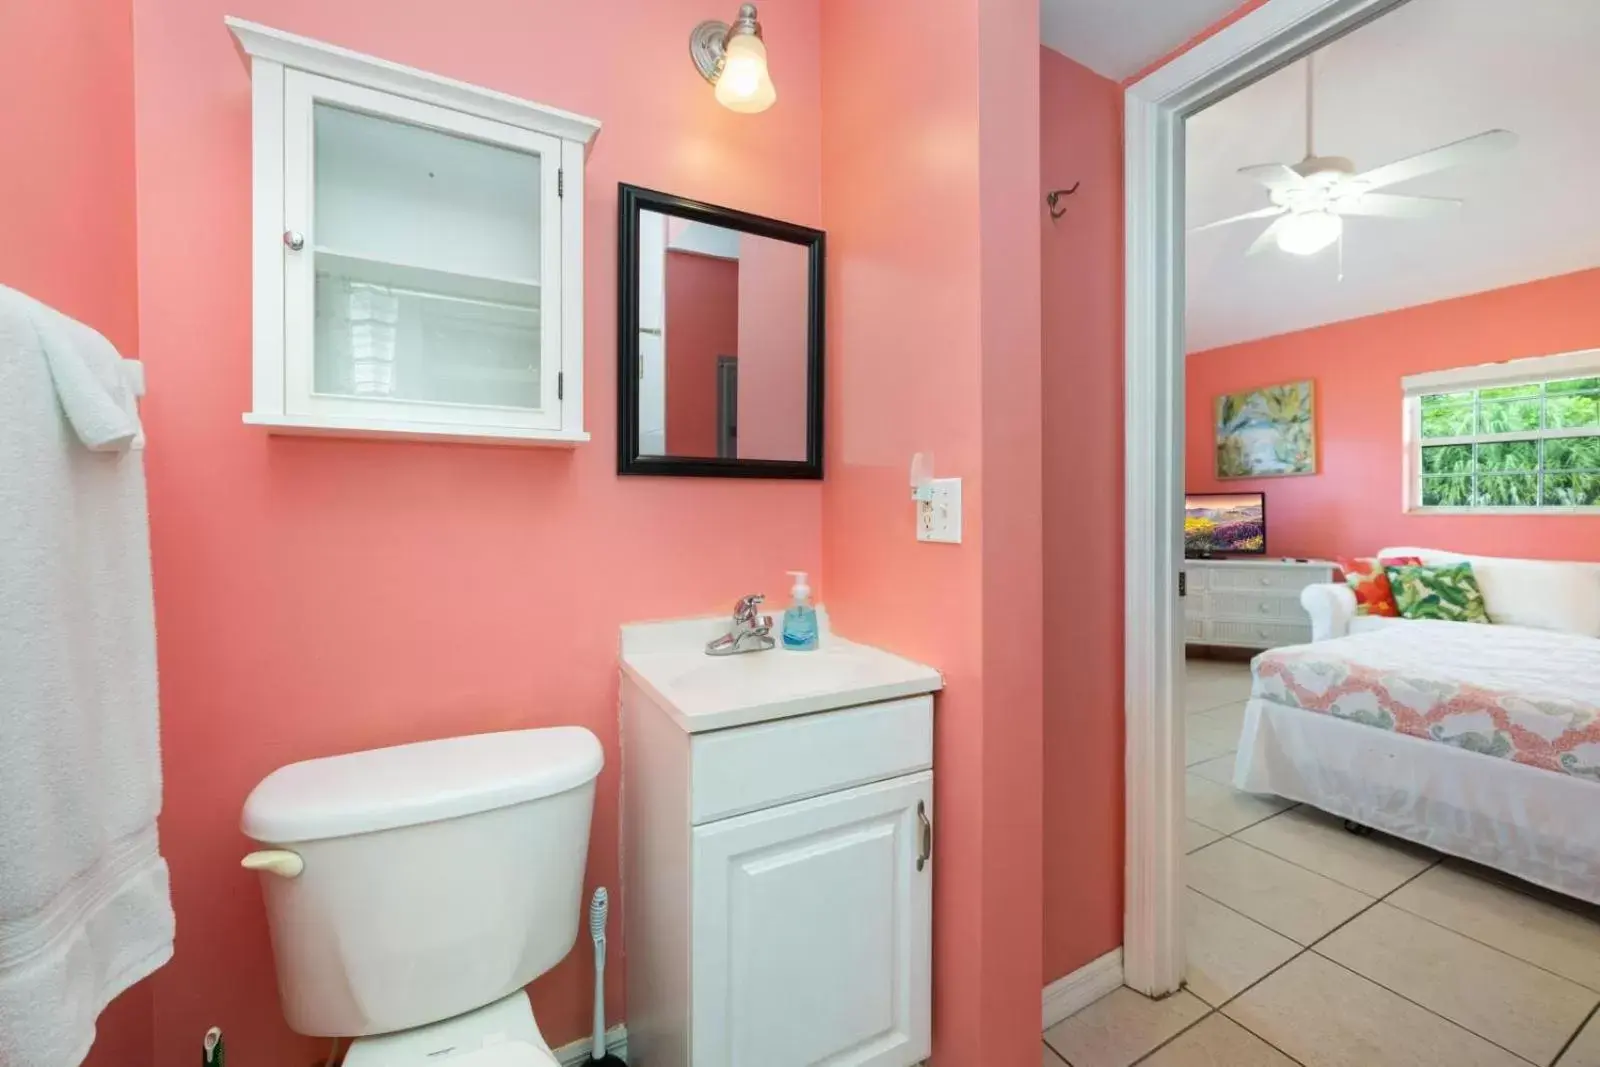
{"x": 1448, "y": 592}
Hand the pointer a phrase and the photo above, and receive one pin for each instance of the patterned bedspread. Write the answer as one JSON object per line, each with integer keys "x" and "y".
{"x": 1503, "y": 691}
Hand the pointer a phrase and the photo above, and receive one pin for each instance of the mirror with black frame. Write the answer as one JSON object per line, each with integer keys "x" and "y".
{"x": 719, "y": 341}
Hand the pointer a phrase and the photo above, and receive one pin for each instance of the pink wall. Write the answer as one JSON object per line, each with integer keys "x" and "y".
{"x": 702, "y": 317}
{"x": 67, "y": 236}
{"x": 1082, "y": 387}
{"x": 319, "y": 596}
{"x": 1354, "y": 504}
{"x": 66, "y": 186}
{"x": 933, "y": 346}
{"x": 773, "y": 285}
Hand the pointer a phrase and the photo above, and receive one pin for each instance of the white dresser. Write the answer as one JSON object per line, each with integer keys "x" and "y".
{"x": 1249, "y": 603}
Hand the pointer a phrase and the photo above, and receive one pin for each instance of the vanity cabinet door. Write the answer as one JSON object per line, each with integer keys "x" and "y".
{"x": 812, "y": 931}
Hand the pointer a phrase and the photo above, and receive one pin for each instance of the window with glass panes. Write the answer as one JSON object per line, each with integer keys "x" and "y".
{"x": 1524, "y": 445}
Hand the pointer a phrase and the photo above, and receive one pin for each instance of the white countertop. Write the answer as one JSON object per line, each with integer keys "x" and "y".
{"x": 700, "y": 692}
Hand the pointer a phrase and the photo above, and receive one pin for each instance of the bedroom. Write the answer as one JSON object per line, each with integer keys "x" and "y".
{"x": 1383, "y": 358}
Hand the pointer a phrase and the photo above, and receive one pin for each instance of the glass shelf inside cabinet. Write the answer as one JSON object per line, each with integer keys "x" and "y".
{"x": 427, "y": 265}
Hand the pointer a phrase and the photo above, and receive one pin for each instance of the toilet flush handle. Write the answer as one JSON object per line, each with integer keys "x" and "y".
{"x": 279, "y": 861}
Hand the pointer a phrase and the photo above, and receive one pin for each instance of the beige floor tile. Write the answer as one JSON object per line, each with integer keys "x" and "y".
{"x": 1051, "y": 1059}
{"x": 1226, "y": 952}
{"x": 1229, "y": 717}
{"x": 1324, "y": 1016}
{"x": 1224, "y": 808}
{"x": 1538, "y": 931}
{"x": 1197, "y": 836}
{"x": 1203, "y": 694}
{"x": 1376, "y": 865}
{"x": 1218, "y": 1041}
{"x": 1514, "y": 1004}
{"x": 1585, "y": 1051}
{"x": 1117, "y": 1029}
{"x": 1204, "y": 739}
{"x": 1278, "y": 895}
{"x": 1219, "y": 770}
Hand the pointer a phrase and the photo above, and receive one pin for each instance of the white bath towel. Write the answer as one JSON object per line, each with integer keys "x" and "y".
{"x": 84, "y": 905}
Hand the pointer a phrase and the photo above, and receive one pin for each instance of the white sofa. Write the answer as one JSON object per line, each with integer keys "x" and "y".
{"x": 1539, "y": 594}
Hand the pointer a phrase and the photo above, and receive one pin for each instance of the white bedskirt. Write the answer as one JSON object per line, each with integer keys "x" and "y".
{"x": 1538, "y": 825}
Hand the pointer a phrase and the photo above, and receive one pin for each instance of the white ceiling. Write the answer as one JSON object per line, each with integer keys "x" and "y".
{"x": 1119, "y": 38}
{"x": 1430, "y": 72}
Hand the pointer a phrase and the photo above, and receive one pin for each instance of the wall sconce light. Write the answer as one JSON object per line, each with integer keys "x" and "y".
{"x": 734, "y": 59}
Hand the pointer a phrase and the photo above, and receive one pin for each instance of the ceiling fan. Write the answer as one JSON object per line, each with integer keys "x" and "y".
{"x": 1311, "y": 198}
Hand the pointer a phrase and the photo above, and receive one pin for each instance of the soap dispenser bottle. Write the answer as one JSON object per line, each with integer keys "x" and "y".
{"x": 800, "y": 620}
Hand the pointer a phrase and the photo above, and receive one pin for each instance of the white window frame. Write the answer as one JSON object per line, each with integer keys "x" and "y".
{"x": 1582, "y": 364}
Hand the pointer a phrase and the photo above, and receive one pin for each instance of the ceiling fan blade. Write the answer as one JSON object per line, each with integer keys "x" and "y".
{"x": 1273, "y": 175}
{"x": 1455, "y": 154}
{"x": 1264, "y": 213}
{"x": 1268, "y": 238}
{"x": 1393, "y": 206}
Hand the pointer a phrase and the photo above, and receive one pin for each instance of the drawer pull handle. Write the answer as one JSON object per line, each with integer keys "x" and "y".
{"x": 924, "y": 836}
{"x": 1266, "y": 581}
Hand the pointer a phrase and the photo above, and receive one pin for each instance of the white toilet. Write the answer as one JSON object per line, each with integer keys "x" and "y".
{"x": 413, "y": 892}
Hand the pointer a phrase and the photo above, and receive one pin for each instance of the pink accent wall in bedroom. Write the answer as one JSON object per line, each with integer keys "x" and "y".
{"x": 933, "y": 345}
{"x": 1081, "y": 120}
{"x": 67, "y": 236}
{"x": 317, "y": 595}
{"x": 702, "y": 311}
{"x": 773, "y": 283}
{"x": 1354, "y": 504}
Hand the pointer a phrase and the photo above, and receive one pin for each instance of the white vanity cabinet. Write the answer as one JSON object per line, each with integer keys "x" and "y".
{"x": 417, "y": 251}
{"x": 777, "y": 873}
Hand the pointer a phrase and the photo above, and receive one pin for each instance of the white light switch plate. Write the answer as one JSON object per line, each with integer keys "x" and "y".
{"x": 939, "y": 519}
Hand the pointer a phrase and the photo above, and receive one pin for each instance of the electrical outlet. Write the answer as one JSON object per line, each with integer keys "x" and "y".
{"x": 939, "y": 518}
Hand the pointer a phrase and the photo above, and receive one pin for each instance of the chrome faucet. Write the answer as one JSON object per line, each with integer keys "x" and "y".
{"x": 750, "y": 631}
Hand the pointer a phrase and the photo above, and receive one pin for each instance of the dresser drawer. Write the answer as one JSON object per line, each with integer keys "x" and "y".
{"x": 1290, "y": 579}
{"x": 1243, "y": 605}
{"x": 749, "y": 768}
{"x": 1257, "y": 634}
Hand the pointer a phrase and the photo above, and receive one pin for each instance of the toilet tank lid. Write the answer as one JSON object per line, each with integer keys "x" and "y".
{"x": 407, "y": 785}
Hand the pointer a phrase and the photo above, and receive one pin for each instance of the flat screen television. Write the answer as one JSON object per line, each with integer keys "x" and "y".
{"x": 1216, "y": 524}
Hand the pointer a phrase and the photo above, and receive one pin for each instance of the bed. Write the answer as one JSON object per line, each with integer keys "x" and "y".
{"x": 1478, "y": 741}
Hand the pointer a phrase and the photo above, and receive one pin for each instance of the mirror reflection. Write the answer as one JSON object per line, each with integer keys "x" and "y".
{"x": 723, "y": 342}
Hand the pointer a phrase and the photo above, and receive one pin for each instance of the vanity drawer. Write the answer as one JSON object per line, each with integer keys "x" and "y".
{"x": 749, "y": 768}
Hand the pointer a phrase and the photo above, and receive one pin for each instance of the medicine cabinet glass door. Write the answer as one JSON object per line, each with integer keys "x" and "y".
{"x": 422, "y": 264}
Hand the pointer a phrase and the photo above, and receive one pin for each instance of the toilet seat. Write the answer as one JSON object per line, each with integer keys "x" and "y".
{"x": 502, "y": 1034}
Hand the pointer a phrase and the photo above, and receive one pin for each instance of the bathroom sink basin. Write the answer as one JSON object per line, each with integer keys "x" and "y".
{"x": 703, "y": 692}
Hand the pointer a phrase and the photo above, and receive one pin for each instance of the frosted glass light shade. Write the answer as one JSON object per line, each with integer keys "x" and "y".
{"x": 1309, "y": 232}
{"x": 745, "y": 85}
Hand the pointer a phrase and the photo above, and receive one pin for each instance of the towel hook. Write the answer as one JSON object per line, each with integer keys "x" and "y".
{"x": 1054, "y": 198}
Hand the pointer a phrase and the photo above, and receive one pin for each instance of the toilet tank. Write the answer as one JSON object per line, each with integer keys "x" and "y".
{"x": 433, "y": 878}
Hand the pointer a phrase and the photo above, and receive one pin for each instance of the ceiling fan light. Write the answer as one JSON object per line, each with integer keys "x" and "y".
{"x": 1309, "y": 232}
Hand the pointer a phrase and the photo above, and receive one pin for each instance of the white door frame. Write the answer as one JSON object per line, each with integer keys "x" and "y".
{"x": 1270, "y": 37}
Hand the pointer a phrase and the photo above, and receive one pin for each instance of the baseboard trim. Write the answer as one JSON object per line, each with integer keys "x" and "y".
{"x": 1084, "y": 986}
{"x": 577, "y": 1053}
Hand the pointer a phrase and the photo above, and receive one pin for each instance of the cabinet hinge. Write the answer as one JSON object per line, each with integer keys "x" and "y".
{"x": 561, "y": 385}
{"x": 561, "y": 182}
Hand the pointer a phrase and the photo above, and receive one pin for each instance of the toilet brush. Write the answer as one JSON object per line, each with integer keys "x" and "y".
{"x": 597, "y": 929}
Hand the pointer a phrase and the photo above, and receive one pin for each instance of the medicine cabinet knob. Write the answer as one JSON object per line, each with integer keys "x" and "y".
{"x": 294, "y": 239}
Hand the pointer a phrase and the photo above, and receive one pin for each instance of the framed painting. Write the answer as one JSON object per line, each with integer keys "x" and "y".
{"x": 1267, "y": 432}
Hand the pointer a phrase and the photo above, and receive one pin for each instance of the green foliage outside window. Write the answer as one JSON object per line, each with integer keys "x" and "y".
{"x": 1544, "y": 469}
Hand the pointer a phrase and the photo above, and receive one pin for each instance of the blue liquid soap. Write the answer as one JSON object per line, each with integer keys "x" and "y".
{"x": 800, "y": 620}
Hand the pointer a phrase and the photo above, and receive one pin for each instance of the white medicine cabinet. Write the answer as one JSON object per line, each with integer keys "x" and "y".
{"x": 417, "y": 251}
